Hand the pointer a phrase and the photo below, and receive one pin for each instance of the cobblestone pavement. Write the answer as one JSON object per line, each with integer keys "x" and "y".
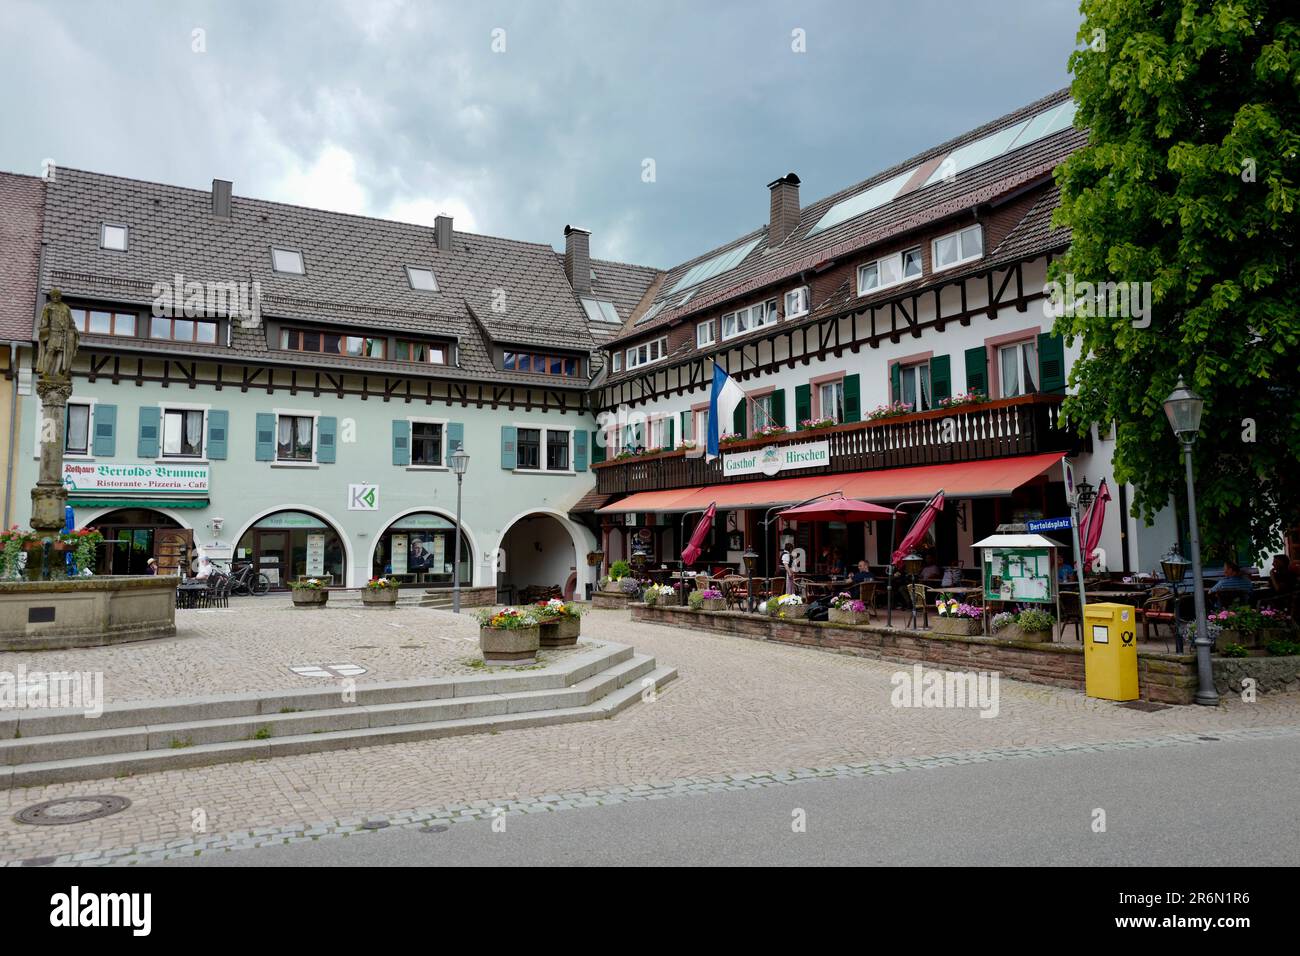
{"x": 251, "y": 645}
{"x": 739, "y": 707}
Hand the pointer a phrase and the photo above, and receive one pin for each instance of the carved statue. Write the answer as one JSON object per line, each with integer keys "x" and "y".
{"x": 58, "y": 338}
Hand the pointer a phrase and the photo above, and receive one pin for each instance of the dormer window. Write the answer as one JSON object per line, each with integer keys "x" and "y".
{"x": 287, "y": 261}
{"x": 796, "y": 302}
{"x": 958, "y": 247}
{"x": 421, "y": 279}
{"x": 113, "y": 237}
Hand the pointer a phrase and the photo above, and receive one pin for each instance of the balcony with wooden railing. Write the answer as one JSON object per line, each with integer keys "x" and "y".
{"x": 1026, "y": 425}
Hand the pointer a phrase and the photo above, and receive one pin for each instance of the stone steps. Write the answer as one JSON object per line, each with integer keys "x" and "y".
{"x": 146, "y": 736}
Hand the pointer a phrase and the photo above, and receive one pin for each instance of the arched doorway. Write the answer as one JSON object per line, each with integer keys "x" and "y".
{"x": 539, "y": 554}
{"x": 130, "y": 538}
{"x": 417, "y": 548}
{"x": 287, "y": 545}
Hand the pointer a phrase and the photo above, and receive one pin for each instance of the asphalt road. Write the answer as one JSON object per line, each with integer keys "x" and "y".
{"x": 1221, "y": 803}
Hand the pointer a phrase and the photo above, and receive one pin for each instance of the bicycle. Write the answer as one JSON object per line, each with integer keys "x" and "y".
{"x": 243, "y": 580}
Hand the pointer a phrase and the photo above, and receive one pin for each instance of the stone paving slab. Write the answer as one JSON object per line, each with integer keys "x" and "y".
{"x": 738, "y": 707}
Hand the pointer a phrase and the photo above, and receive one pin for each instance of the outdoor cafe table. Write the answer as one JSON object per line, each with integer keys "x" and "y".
{"x": 187, "y": 595}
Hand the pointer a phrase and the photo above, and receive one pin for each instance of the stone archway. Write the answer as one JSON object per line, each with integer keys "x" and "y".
{"x": 539, "y": 550}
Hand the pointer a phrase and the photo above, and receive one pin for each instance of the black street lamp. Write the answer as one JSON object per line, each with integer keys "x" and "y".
{"x": 1175, "y": 566}
{"x": 750, "y": 557}
{"x": 1183, "y": 409}
{"x": 459, "y": 463}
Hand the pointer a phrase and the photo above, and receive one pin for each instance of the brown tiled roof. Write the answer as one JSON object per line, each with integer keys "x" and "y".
{"x": 804, "y": 249}
{"x": 22, "y": 204}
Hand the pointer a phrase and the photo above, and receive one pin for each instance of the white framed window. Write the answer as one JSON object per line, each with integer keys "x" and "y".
{"x": 748, "y": 319}
{"x": 183, "y": 430}
{"x": 113, "y": 236}
{"x": 830, "y": 398}
{"x": 287, "y": 261}
{"x": 617, "y": 359}
{"x": 912, "y": 265}
{"x": 540, "y": 449}
{"x": 76, "y": 429}
{"x": 958, "y": 247}
{"x": 701, "y": 432}
{"x": 687, "y": 420}
{"x": 295, "y": 437}
{"x": 880, "y": 274}
{"x": 428, "y": 443}
{"x": 761, "y": 411}
{"x": 705, "y": 333}
{"x": 797, "y": 302}
{"x": 647, "y": 352}
{"x": 657, "y": 433}
{"x": 1018, "y": 368}
{"x": 914, "y": 380}
{"x": 421, "y": 279}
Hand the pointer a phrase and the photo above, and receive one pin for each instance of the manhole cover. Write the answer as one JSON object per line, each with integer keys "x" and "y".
{"x": 71, "y": 810}
{"x": 1207, "y": 738}
{"x": 435, "y": 828}
{"x": 39, "y": 861}
{"x": 375, "y": 825}
{"x": 1146, "y": 706}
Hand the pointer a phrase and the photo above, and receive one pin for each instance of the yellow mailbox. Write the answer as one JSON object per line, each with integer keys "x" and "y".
{"x": 1110, "y": 657}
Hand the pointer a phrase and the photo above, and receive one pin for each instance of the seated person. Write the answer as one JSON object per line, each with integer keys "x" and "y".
{"x": 1234, "y": 585}
{"x": 1065, "y": 572}
{"x": 863, "y": 573}
{"x": 204, "y": 571}
{"x": 931, "y": 571}
{"x": 1280, "y": 576}
{"x": 837, "y": 568}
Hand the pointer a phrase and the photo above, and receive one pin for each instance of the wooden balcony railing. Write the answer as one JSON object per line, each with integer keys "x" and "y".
{"x": 997, "y": 429}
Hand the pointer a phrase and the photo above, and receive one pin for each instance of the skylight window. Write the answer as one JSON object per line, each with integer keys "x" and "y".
{"x": 870, "y": 199}
{"x": 288, "y": 261}
{"x": 600, "y": 311}
{"x": 651, "y": 312}
{"x": 112, "y": 237}
{"x": 724, "y": 262}
{"x": 421, "y": 279}
{"x": 1051, "y": 120}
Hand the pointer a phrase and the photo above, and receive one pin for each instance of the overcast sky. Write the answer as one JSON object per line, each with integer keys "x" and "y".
{"x": 405, "y": 109}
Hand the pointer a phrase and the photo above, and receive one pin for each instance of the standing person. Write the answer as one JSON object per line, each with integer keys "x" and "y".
{"x": 787, "y": 563}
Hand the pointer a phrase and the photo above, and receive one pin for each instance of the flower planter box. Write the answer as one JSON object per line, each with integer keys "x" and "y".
{"x": 613, "y": 588}
{"x": 1248, "y": 639}
{"x": 561, "y": 632}
{"x": 961, "y": 626}
{"x": 713, "y": 604}
{"x": 795, "y": 613}
{"x": 306, "y": 597}
{"x": 509, "y": 645}
{"x": 379, "y": 597}
{"x": 1013, "y": 632}
{"x": 840, "y": 616}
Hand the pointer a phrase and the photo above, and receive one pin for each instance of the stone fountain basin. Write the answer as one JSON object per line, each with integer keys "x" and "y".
{"x": 86, "y": 612}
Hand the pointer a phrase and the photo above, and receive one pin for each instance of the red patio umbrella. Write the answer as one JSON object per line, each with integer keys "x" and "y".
{"x": 837, "y": 509}
{"x": 919, "y": 527}
{"x": 692, "y": 550}
{"x": 1093, "y": 523}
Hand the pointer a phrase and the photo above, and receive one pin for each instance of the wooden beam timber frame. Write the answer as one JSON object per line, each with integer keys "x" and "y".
{"x": 903, "y": 315}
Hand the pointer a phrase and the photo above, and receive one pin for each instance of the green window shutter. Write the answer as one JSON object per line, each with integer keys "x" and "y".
{"x": 597, "y": 448}
{"x": 455, "y": 439}
{"x": 852, "y": 398}
{"x": 940, "y": 379}
{"x": 802, "y": 404}
{"x": 509, "y": 436}
{"x": 778, "y": 406}
{"x": 896, "y": 382}
{"x": 326, "y": 428}
{"x": 688, "y": 425}
{"x": 1051, "y": 363}
{"x": 105, "y": 442}
{"x": 977, "y": 370}
{"x": 265, "y": 436}
{"x": 738, "y": 419}
{"x": 668, "y": 433}
{"x": 150, "y": 419}
{"x": 401, "y": 442}
{"x": 218, "y": 433}
{"x": 579, "y": 450}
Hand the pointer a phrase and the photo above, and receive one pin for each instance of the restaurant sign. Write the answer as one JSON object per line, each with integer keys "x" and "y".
{"x": 777, "y": 458}
{"x": 142, "y": 479}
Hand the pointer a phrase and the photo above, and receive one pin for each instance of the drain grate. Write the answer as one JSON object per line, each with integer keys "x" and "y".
{"x": 1146, "y": 706}
{"x": 71, "y": 810}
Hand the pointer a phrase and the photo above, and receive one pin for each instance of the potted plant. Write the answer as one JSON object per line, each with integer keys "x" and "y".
{"x": 955, "y": 617}
{"x": 846, "y": 609}
{"x": 659, "y": 594}
{"x": 380, "y": 592}
{"x": 812, "y": 424}
{"x": 617, "y": 572}
{"x": 560, "y": 623}
{"x": 787, "y": 607}
{"x": 1031, "y": 624}
{"x": 630, "y": 587}
{"x": 730, "y": 438}
{"x": 707, "y": 599}
{"x": 1251, "y": 627}
{"x": 509, "y": 636}
{"x": 890, "y": 410}
{"x": 309, "y": 592}
{"x": 14, "y": 544}
{"x": 771, "y": 431}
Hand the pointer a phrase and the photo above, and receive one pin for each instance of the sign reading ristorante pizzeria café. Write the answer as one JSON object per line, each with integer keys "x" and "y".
{"x": 143, "y": 479}
{"x": 777, "y": 458}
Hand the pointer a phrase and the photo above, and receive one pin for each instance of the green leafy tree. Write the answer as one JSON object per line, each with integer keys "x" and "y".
{"x": 1188, "y": 182}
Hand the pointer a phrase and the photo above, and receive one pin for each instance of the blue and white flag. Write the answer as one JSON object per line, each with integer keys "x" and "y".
{"x": 724, "y": 398}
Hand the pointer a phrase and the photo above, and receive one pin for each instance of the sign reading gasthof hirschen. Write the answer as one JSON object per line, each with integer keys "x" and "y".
{"x": 777, "y": 458}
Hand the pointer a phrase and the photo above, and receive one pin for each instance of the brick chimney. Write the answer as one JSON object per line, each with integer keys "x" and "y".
{"x": 784, "y": 215}
{"x": 221, "y": 198}
{"x": 442, "y": 232}
{"x": 577, "y": 258}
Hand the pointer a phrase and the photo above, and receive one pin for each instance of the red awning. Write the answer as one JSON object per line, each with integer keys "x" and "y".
{"x": 972, "y": 479}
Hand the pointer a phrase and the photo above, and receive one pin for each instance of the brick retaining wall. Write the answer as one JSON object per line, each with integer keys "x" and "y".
{"x": 1165, "y": 678}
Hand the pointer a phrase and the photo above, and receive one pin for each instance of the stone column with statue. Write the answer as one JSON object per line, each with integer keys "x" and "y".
{"x": 59, "y": 342}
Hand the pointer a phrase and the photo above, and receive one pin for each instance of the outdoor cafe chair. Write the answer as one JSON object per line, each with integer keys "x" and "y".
{"x": 1070, "y": 616}
{"x": 1156, "y": 610}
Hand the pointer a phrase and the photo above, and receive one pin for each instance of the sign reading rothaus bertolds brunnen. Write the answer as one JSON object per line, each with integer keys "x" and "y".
{"x": 175, "y": 479}
{"x": 777, "y": 458}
